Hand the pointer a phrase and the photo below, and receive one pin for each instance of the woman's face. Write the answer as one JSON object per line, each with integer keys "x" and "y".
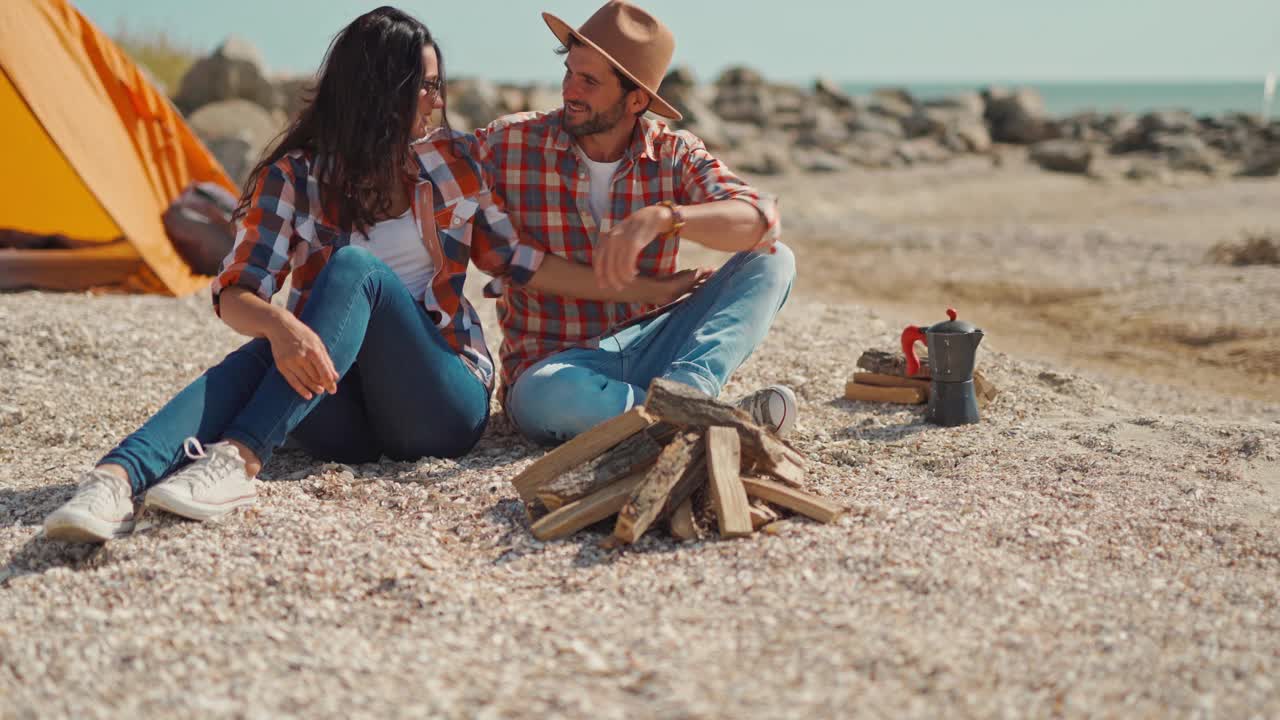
{"x": 429, "y": 94}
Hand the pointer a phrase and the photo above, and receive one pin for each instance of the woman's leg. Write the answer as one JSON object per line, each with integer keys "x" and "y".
{"x": 409, "y": 375}
{"x": 203, "y": 410}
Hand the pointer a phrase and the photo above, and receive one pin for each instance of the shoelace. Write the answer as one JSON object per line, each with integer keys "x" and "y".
{"x": 98, "y": 492}
{"x": 205, "y": 474}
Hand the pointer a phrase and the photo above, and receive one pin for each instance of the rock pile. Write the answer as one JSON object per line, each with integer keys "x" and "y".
{"x": 768, "y": 128}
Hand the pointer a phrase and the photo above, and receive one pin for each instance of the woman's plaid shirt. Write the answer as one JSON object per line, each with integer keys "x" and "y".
{"x": 286, "y": 230}
{"x": 545, "y": 187}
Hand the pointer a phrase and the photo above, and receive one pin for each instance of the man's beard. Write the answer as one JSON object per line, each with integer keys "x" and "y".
{"x": 597, "y": 122}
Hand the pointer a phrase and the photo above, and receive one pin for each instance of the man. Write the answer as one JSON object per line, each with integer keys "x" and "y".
{"x": 597, "y": 183}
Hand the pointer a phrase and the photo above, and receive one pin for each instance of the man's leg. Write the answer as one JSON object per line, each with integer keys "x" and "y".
{"x": 704, "y": 339}
{"x": 569, "y": 392}
{"x": 699, "y": 343}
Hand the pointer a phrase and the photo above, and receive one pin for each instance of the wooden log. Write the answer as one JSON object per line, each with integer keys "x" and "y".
{"x": 660, "y": 482}
{"x": 589, "y": 510}
{"x": 808, "y": 505}
{"x": 682, "y": 523}
{"x": 761, "y": 514}
{"x": 870, "y": 378}
{"x": 892, "y": 363}
{"x": 682, "y": 405}
{"x": 983, "y": 388}
{"x": 724, "y": 460}
{"x": 873, "y": 393}
{"x": 579, "y": 450}
{"x": 636, "y": 452}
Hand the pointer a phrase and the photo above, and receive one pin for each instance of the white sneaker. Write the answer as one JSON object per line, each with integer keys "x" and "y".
{"x": 101, "y": 509}
{"x": 212, "y": 486}
{"x": 773, "y": 408}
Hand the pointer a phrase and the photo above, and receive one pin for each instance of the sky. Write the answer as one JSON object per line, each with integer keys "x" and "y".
{"x": 793, "y": 40}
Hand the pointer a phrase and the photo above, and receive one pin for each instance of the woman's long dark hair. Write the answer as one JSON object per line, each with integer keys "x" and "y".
{"x": 359, "y": 116}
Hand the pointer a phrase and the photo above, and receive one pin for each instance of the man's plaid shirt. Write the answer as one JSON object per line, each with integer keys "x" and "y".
{"x": 544, "y": 186}
{"x": 460, "y": 220}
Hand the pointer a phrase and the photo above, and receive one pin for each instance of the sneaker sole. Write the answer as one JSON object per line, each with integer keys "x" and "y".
{"x": 80, "y": 529}
{"x": 192, "y": 510}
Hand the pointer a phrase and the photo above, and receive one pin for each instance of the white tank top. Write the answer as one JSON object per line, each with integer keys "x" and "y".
{"x": 398, "y": 243}
{"x": 601, "y": 174}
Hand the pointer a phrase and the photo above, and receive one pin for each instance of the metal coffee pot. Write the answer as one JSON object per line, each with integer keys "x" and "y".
{"x": 953, "y": 351}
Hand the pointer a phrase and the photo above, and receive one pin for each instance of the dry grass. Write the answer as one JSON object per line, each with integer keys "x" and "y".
{"x": 1256, "y": 247}
{"x": 165, "y": 57}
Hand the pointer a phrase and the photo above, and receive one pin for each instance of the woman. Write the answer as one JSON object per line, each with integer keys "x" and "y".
{"x": 378, "y": 352}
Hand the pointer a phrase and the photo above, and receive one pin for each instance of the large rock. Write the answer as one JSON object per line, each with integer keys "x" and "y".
{"x": 234, "y": 70}
{"x": 1017, "y": 116}
{"x": 294, "y": 92}
{"x": 894, "y": 102}
{"x": 744, "y": 103}
{"x": 817, "y": 160}
{"x": 874, "y": 122}
{"x": 237, "y": 132}
{"x": 739, "y": 76}
{"x": 768, "y": 154}
{"x": 1068, "y": 156}
{"x": 871, "y": 150}
{"x": 821, "y": 127}
{"x": 830, "y": 95}
{"x": 1264, "y": 164}
{"x": 1185, "y": 152}
{"x": 476, "y": 99}
{"x": 923, "y": 151}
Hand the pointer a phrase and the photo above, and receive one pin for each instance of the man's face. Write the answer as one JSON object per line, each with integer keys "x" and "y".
{"x": 593, "y": 97}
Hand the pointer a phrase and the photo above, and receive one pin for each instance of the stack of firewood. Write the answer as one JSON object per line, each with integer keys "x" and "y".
{"x": 882, "y": 377}
{"x": 682, "y": 458}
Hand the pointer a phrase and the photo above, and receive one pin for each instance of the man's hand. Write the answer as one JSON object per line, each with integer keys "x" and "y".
{"x": 301, "y": 358}
{"x": 619, "y": 248}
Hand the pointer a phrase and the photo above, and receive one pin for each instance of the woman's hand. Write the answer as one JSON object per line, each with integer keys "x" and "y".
{"x": 302, "y": 358}
{"x": 673, "y": 287}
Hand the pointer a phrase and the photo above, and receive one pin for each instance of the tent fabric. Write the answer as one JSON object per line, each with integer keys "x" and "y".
{"x": 91, "y": 151}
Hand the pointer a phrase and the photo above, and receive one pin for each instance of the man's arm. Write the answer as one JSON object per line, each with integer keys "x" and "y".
{"x": 720, "y": 211}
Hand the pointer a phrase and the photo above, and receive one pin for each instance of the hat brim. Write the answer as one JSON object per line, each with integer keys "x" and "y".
{"x": 563, "y": 31}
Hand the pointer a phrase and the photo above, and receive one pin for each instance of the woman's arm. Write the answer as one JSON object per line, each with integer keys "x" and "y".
{"x": 300, "y": 355}
{"x": 562, "y": 277}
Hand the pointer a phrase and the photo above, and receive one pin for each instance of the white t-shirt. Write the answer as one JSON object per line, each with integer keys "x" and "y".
{"x": 601, "y": 174}
{"x": 398, "y": 243}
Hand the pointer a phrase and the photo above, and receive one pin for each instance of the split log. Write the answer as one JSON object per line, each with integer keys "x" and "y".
{"x": 872, "y": 393}
{"x": 724, "y": 460}
{"x": 682, "y": 405}
{"x": 802, "y": 502}
{"x": 983, "y": 388}
{"x": 634, "y": 453}
{"x": 683, "y": 525}
{"x": 580, "y": 449}
{"x": 589, "y": 510}
{"x": 666, "y": 484}
{"x": 892, "y": 363}
{"x": 881, "y": 380}
{"x": 761, "y": 514}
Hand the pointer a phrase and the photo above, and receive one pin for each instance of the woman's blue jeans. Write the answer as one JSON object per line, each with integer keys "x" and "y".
{"x": 699, "y": 342}
{"x": 403, "y": 393}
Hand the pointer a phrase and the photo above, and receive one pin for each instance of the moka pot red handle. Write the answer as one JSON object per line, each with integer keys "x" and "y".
{"x": 909, "y": 337}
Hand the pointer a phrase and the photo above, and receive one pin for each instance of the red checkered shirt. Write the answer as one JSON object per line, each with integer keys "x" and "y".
{"x": 545, "y": 187}
{"x": 286, "y": 229}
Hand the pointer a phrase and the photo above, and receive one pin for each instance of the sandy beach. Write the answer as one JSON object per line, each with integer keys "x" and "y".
{"x": 1103, "y": 543}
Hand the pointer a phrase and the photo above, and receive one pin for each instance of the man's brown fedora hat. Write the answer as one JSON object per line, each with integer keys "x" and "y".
{"x": 632, "y": 40}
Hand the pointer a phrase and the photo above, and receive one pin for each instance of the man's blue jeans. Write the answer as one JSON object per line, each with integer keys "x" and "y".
{"x": 403, "y": 393}
{"x": 699, "y": 342}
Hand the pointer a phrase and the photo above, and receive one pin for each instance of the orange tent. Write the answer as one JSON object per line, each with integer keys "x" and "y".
{"x": 92, "y": 151}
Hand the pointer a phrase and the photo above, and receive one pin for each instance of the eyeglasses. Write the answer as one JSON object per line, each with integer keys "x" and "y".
{"x": 433, "y": 86}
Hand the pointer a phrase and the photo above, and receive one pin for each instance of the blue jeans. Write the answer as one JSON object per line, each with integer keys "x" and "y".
{"x": 699, "y": 342}
{"x": 403, "y": 392}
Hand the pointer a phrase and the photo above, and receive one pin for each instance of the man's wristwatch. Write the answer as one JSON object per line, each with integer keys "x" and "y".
{"x": 677, "y": 220}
